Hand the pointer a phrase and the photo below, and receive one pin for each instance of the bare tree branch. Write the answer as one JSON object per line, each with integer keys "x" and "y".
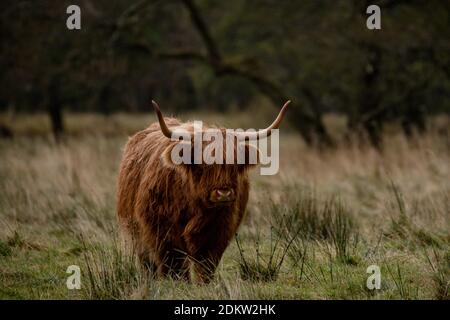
{"x": 306, "y": 122}
{"x": 202, "y": 29}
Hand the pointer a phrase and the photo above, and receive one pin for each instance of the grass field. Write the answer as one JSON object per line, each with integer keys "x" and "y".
{"x": 311, "y": 231}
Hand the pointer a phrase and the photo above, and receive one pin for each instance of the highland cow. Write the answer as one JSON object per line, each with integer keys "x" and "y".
{"x": 181, "y": 215}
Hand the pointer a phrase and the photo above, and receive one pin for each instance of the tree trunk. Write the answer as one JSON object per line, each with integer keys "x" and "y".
{"x": 55, "y": 108}
{"x": 368, "y": 116}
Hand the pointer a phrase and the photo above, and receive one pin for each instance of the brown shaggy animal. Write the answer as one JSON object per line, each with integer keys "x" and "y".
{"x": 179, "y": 215}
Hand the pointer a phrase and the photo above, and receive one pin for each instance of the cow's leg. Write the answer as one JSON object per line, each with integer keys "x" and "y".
{"x": 133, "y": 242}
{"x": 174, "y": 264}
{"x": 205, "y": 253}
{"x": 205, "y": 264}
{"x": 147, "y": 262}
{"x": 178, "y": 265}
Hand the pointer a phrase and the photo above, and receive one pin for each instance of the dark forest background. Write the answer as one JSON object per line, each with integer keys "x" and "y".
{"x": 223, "y": 55}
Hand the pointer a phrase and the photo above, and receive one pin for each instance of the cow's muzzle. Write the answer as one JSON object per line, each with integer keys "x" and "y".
{"x": 222, "y": 196}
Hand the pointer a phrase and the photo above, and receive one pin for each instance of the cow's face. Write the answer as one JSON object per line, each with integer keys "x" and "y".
{"x": 216, "y": 183}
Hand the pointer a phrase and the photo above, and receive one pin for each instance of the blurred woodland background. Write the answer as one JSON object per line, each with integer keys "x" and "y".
{"x": 223, "y": 56}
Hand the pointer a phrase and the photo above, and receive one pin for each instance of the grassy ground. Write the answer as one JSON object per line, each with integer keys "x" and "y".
{"x": 311, "y": 231}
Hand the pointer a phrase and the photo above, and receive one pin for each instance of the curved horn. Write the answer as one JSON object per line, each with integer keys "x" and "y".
{"x": 165, "y": 130}
{"x": 268, "y": 131}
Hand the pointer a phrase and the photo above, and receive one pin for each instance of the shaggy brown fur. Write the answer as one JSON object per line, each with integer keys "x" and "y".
{"x": 166, "y": 210}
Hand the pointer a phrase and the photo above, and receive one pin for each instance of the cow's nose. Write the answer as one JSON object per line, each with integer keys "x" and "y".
{"x": 222, "y": 195}
{"x": 225, "y": 193}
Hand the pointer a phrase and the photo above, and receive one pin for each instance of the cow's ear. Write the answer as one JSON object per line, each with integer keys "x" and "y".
{"x": 177, "y": 155}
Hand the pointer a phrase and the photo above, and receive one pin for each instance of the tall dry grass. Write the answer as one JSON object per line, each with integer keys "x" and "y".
{"x": 310, "y": 231}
